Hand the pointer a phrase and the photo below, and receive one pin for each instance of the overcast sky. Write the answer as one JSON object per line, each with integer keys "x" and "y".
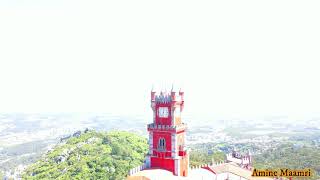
{"x": 232, "y": 58}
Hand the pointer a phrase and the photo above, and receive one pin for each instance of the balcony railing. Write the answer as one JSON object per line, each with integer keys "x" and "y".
{"x": 167, "y": 127}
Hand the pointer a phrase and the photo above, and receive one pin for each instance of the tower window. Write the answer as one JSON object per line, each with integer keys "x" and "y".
{"x": 162, "y": 144}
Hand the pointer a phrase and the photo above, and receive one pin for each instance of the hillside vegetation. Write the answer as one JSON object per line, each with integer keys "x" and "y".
{"x": 285, "y": 155}
{"x": 96, "y": 155}
{"x": 289, "y": 156}
{"x": 92, "y": 155}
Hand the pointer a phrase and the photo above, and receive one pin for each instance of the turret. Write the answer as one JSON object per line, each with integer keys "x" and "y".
{"x": 173, "y": 95}
{"x": 153, "y": 94}
{"x": 250, "y": 157}
{"x": 181, "y": 93}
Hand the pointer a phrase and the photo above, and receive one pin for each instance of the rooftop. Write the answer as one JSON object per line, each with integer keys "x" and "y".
{"x": 194, "y": 174}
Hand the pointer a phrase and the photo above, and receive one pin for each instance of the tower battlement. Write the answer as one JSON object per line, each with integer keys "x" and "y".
{"x": 165, "y": 97}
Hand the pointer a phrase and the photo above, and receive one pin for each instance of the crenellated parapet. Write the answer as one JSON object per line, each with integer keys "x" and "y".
{"x": 165, "y": 98}
{"x": 242, "y": 160}
{"x": 137, "y": 169}
{"x": 170, "y": 128}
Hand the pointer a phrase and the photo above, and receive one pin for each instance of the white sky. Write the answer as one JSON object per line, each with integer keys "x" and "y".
{"x": 238, "y": 58}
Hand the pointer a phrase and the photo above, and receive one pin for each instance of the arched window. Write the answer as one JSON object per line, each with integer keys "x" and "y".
{"x": 162, "y": 144}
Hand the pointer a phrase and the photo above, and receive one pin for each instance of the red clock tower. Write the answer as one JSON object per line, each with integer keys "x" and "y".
{"x": 167, "y": 133}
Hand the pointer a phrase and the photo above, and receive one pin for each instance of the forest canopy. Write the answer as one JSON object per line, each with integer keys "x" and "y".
{"x": 92, "y": 155}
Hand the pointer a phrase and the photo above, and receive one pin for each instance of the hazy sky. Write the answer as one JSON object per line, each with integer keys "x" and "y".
{"x": 233, "y": 58}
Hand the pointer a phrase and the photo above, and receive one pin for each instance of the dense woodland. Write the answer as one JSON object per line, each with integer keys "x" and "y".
{"x": 93, "y": 155}
{"x": 288, "y": 155}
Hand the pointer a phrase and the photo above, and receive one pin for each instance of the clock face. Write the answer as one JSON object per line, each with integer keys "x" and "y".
{"x": 163, "y": 112}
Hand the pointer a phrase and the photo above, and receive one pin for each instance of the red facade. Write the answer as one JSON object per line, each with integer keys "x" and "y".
{"x": 167, "y": 134}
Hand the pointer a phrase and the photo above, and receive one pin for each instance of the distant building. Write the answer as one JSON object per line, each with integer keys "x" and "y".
{"x": 77, "y": 134}
{"x": 65, "y": 138}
